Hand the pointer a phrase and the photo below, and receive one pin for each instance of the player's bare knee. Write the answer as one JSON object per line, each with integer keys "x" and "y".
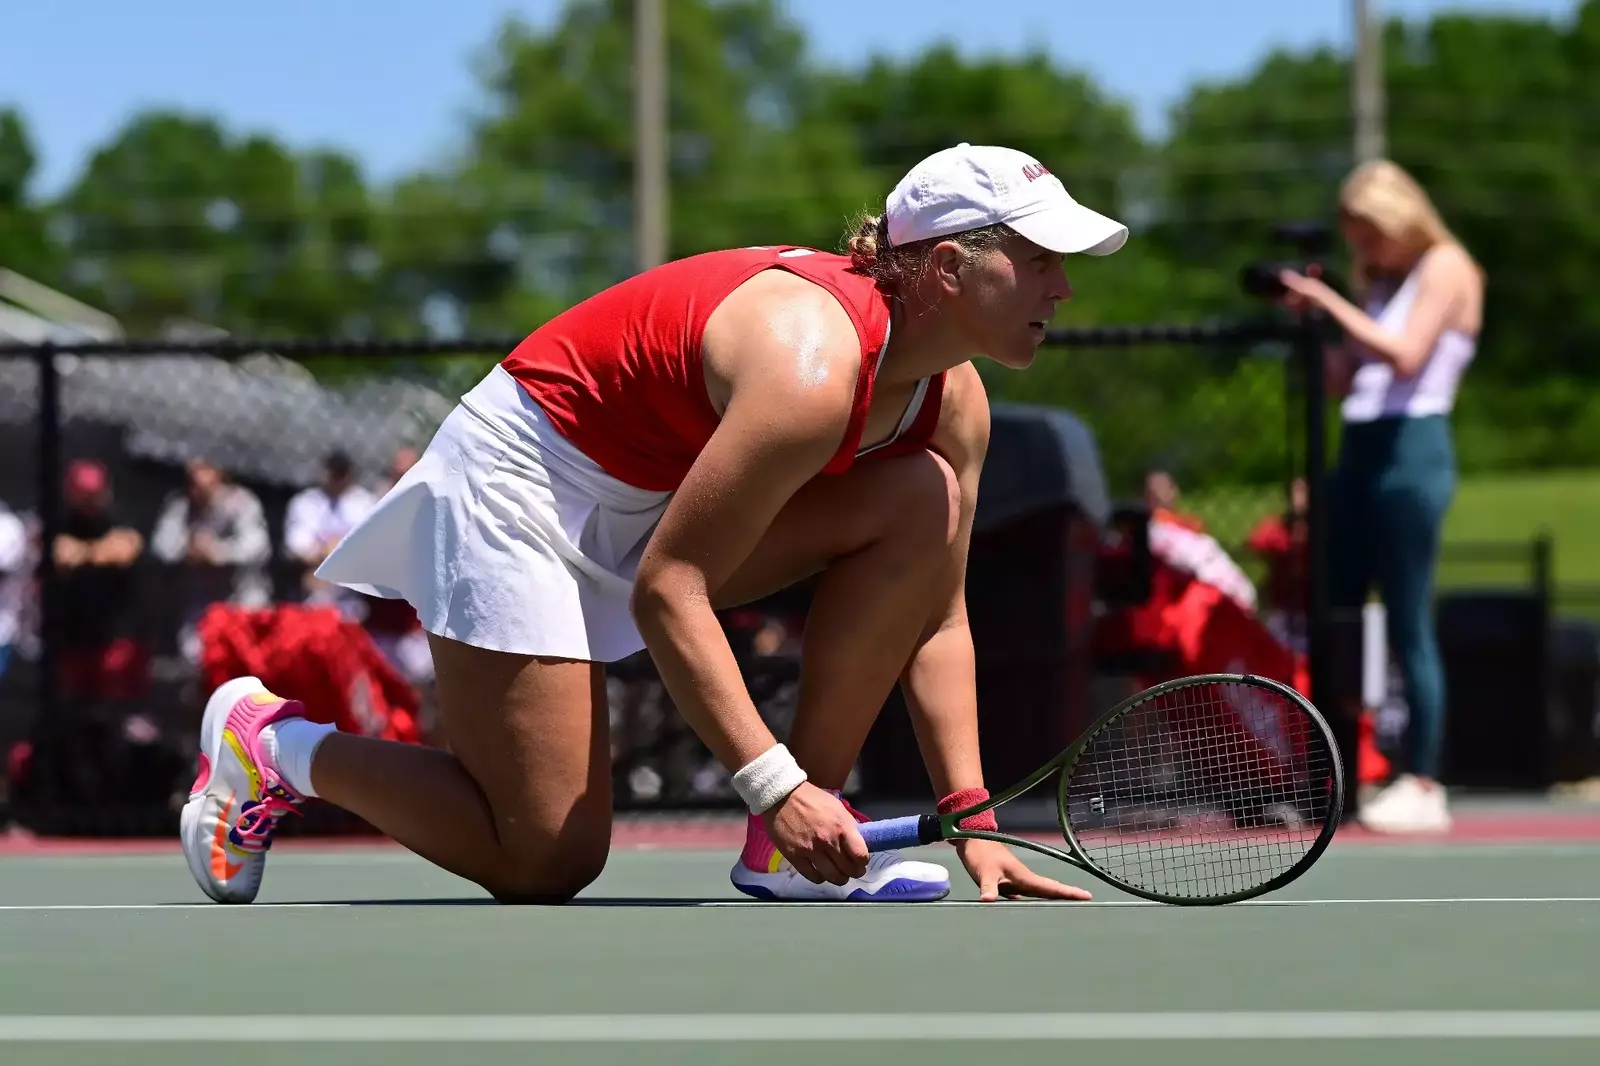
{"x": 553, "y": 878}
{"x": 926, "y": 509}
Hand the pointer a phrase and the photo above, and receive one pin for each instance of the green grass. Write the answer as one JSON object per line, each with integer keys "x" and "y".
{"x": 1513, "y": 507}
{"x": 1510, "y": 509}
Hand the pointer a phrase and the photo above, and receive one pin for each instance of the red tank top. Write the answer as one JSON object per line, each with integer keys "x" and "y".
{"x": 619, "y": 375}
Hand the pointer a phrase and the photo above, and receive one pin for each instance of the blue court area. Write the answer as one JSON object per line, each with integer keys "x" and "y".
{"x": 1443, "y": 953}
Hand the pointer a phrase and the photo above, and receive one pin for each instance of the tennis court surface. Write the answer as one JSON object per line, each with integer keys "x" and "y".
{"x": 1471, "y": 950}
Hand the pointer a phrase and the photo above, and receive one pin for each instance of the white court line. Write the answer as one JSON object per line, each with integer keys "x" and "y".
{"x": 668, "y": 903}
{"x": 814, "y": 1028}
{"x": 1119, "y": 903}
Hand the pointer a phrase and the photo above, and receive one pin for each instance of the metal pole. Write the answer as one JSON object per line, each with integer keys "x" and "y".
{"x": 1367, "y": 82}
{"x": 1325, "y": 694}
{"x": 49, "y": 496}
{"x": 649, "y": 134}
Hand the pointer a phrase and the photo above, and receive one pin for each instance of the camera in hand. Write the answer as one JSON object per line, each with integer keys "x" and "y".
{"x": 1262, "y": 278}
{"x": 1313, "y": 241}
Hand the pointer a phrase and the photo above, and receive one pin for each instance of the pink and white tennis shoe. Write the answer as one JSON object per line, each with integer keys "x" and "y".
{"x": 239, "y": 796}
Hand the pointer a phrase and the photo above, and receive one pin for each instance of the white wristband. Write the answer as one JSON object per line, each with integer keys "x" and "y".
{"x": 768, "y": 778}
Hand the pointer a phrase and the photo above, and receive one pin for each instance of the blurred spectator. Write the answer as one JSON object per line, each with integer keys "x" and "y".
{"x": 14, "y": 579}
{"x": 1280, "y": 541}
{"x": 318, "y": 518}
{"x": 94, "y": 552}
{"x": 405, "y": 457}
{"x": 217, "y": 532}
{"x": 1161, "y": 497}
{"x": 1200, "y": 617}
{"x": 1177, "y": 543}
{"x": 1410, "y": 336}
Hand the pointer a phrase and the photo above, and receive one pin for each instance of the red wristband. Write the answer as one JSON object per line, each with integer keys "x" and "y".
{"x": 969, "y": 797}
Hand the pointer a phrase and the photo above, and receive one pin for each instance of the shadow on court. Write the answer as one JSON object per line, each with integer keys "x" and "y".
{"x": 580, "y": 902}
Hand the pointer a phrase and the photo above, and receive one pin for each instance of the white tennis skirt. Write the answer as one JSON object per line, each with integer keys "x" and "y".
{"x": 505, "y": 536}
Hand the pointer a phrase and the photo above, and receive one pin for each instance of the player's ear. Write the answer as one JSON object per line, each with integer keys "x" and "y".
{"x": 947, "y": 266}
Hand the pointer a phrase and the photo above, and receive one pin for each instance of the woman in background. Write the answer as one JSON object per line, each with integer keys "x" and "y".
{"x": 1398, "y": 373}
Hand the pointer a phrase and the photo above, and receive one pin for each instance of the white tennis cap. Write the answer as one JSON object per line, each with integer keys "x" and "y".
{"x": 972, "y": 186}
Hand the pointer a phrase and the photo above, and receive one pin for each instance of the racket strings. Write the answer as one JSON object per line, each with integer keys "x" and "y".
{"x": 1202, "y": 791}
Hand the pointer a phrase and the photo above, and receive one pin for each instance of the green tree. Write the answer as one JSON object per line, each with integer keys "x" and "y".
{"x": 550, "y": 162}
{"x": 24, "y": 238}
{"x": 1242, "y": 158}
{"x": 1496, "y": 118}
{"x": 175, "y": 219}
{"x": 178, "y": 217}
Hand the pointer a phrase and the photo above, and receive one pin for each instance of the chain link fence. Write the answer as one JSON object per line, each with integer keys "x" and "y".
{"x": 189, "y": 490}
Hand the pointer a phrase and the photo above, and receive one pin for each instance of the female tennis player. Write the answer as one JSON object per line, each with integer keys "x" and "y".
{"x": 698, "y": 436}
{"x": 1398, "y": 372}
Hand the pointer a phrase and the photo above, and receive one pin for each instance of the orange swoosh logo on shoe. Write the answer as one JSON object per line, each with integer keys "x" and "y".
{"x": 221, "y": 868}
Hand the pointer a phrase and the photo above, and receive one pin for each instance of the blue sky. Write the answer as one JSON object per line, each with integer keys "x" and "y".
{"x": 386, "y": 81}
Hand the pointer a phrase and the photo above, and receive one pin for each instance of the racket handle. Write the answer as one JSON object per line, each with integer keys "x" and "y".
{"x": 908, "y": 832}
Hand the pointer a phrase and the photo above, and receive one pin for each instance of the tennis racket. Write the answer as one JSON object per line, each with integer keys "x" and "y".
{"x": 1205, "y": 790}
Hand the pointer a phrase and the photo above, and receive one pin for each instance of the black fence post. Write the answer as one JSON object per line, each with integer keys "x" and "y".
{"x": 1325, "y": 693}
{"x": 1544, "y": 566}
{"x": 49, "y": 495}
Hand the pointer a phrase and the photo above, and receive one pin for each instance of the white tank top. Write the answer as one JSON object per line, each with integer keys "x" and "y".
{"x": 1376, "y": 393}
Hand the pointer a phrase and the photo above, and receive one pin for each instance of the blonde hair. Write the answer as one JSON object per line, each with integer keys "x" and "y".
{"x": 896, "y": 268}
{"x": 1382, "y": 193}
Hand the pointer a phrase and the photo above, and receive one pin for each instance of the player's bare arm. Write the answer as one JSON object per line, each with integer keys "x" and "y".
{"x": 782, "y": 361}
{"x": 940, "y": 680}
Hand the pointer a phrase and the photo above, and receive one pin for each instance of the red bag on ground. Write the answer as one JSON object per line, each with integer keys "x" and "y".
{"x": 314, "y": 655}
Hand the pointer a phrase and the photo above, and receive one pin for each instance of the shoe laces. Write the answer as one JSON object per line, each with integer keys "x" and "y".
{"x": 258, "y": 819}
{"x": 877, "y": 862}
{"x": 882, "y": 860}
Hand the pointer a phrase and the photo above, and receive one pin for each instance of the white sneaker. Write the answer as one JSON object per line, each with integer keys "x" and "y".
{"x": 890, "y": 878}
{"x": 1407, "y": 806}
{"x": 238, "y": 797}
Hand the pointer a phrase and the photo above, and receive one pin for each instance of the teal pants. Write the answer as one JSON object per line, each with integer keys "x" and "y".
{"x": 1388, "y": 495}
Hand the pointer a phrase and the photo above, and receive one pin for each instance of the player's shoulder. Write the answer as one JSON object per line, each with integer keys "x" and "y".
{"x": 778, "y": 308}
{"x": 786, "y": 335}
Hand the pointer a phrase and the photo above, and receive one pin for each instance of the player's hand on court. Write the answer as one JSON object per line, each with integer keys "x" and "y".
{"x": 998, "y": 872}
{"x": 818, "y": 836}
